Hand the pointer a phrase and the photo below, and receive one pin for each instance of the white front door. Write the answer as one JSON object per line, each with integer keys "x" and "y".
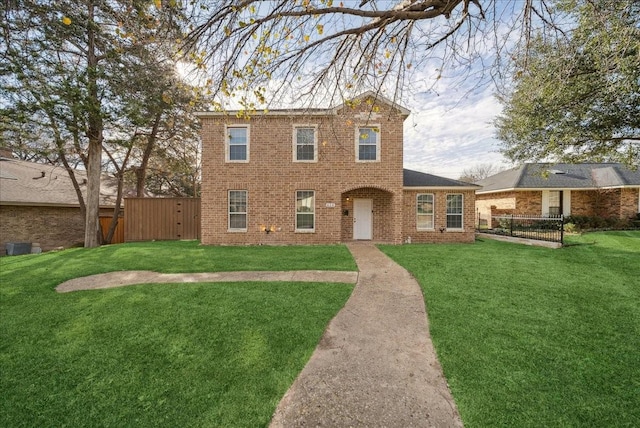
{"x": 362, "y": 219}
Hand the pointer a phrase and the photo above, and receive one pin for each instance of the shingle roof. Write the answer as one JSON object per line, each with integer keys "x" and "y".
{"x": 562, "y": 176}
{"x": 412, "y": 178}
{"x": 313, "y": 111}
{"x": 28, "y": 183}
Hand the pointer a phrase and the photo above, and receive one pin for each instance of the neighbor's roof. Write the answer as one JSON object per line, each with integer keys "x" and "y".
{"x": 35, "y": 184}
{"x": 412, "y": 178}
{"x": 562, "y": 176}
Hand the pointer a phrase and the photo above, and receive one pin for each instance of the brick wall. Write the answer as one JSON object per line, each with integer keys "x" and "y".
{"x": 51, "y": 227}
{"x": 599, "y": 203}
{"x": 501, "y": 201}
{"x": 629, "y": 203}
{"x": 384, "y": 218}
{"x": 440, "y": 217}
{"x": 605, "y": 203}
{"x": 529, "y": 202}
{"x": 272, "y": 178}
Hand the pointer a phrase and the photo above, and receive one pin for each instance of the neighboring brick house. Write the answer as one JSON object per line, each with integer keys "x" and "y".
{"x": 323, "y": 176}
{"x": 607, "y": 190}
{"x": 38, "y": 204}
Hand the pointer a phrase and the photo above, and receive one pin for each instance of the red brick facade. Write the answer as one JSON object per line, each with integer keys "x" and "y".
{"x": 605, "y": 203}
{"x": 271, "y": 177}
{"x": 50, "y": 226}
{"x": 439, "y": 233}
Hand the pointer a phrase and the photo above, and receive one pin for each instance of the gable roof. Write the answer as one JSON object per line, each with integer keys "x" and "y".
{"x": 35, "y": 184}
{"x": 562, "y": 176}
{"x": 418, "y": 179}
{"x": 312, "y": 111}
{"x": 376, "y": 96}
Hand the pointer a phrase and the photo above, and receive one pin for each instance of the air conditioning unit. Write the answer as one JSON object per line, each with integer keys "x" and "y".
{"x": 18, "y": 248}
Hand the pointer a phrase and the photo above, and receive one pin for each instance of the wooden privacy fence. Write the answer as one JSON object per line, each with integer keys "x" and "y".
{"x": 161, "y": 219}
{"x": 118, "y": 234}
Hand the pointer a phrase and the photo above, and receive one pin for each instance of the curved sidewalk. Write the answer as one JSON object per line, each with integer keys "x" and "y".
{"x": 132, "y": 277}
{"x": 375, "y": 365}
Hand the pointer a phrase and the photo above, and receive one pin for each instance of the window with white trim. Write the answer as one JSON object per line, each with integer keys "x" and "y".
{"x": 305, "y": 144}
{"x": 305, "y": 210}
{"x": 368, "y": 144}
{"x": 238, "y": 210}
{"x": 555, "y": 202}
{"x": 237, "y": 143}
{"x": 454, "y": 211}
{"x": 424, "y": 211}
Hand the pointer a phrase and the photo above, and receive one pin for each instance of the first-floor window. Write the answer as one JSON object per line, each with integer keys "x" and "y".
{"x": 305, "y": 210}
{"x": 454, "y": 211}
{"x": 555, "y": 202}
{"x": 237, "y": 210}
{"x": 425, "y": 211}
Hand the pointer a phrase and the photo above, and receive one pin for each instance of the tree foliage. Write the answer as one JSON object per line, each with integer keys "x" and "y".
{"x": 575, "y": 94}
{"x": 258, "y": 51}
{"x": 92, "y": 83}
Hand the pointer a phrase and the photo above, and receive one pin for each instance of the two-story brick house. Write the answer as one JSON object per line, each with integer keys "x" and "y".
{"x": 332, "y": 175}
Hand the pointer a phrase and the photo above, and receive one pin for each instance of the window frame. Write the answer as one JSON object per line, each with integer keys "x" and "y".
{"x": 557, "y": 209}
{"x": 460, "y": 214}
{"x": 312, "y": 212}
{"x": 227, "y": 143}
{"x": 377, "y": 132}
{"x": 296, "y": 127}
{"x": 245, "y": 212}
{"x": 432, "y": 214}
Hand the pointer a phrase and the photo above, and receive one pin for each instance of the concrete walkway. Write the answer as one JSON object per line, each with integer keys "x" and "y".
{"x": 132, "y": 277}
{"x": 375, "y": 365}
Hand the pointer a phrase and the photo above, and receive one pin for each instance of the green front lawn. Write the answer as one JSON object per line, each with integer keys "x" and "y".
{"x": 165, "y": 355}
{"x": 531, "y": 336}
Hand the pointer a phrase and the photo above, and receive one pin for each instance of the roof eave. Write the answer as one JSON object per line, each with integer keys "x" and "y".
{"x": 440, "y": 187}
{"x": 537, "y": 189}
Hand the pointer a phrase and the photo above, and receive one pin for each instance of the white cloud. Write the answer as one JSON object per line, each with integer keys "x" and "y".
{"x": 451, "y": 129}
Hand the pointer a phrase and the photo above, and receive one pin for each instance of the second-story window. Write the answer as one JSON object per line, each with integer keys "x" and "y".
{"x": 368, "y": 144}
{"x": 305, "y": 146}
{"x": 237, "y": 144}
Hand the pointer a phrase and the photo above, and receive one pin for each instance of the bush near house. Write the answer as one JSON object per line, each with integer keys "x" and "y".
{"x": 592, "y": 223}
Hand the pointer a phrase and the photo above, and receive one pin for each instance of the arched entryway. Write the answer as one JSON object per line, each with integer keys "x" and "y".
{"x": 370, "y": 214}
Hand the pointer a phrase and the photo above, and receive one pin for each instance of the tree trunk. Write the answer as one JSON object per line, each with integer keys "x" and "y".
{"x": 92, "y": 234}
{"x": 141, "y": 171}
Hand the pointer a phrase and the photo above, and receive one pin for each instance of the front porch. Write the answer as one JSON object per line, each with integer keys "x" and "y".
{"x": 371, "y": 214}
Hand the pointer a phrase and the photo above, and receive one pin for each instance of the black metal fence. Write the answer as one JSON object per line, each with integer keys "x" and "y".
{"x": 549, "y": 228}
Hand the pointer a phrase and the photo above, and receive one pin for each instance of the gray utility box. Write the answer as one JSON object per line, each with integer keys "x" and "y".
{"x": 18, "y": 248}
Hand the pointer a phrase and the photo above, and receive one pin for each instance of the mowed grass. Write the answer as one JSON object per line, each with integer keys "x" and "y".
{"x": 534, "y": 337}
{"x": 167, "y": 355}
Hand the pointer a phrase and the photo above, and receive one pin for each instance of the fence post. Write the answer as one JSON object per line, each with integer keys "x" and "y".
{"x": 561, "y": 229}
{"x": 511, "y": 228}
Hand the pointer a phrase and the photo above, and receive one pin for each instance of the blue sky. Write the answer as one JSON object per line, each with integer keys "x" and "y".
{"x": 453, "y": 107}
{"x": 451, "y": 130}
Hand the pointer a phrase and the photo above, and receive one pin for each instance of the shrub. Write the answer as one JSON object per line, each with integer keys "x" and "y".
{"x": 585, "y": 223}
